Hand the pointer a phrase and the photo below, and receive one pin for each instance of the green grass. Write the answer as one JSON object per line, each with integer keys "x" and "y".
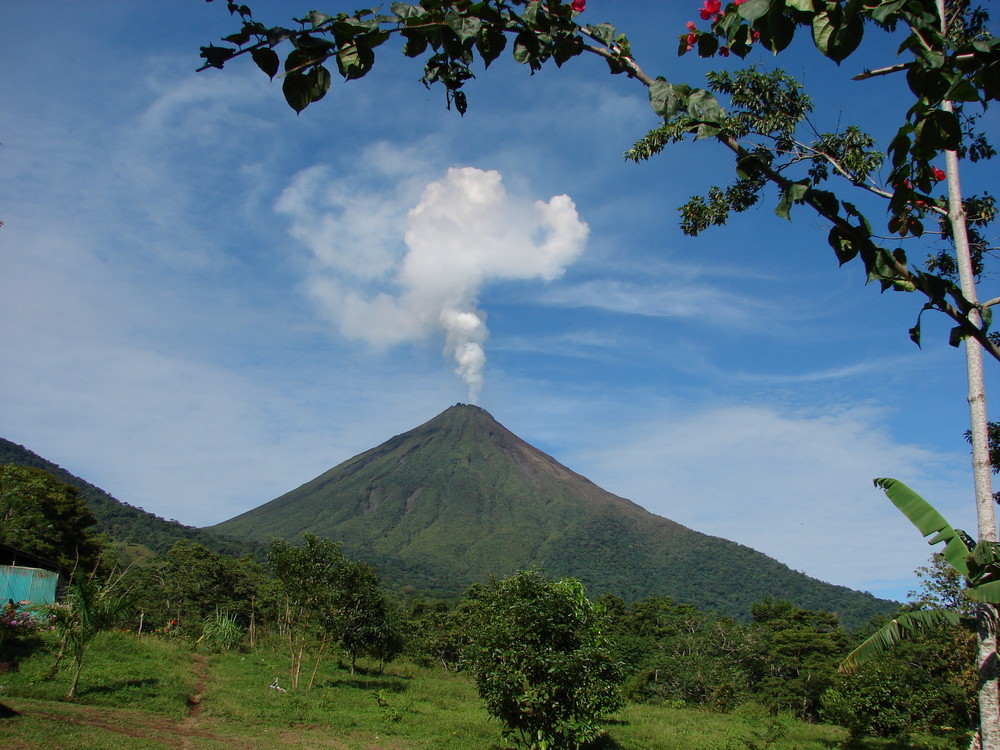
{"x": 119, "y": 671}
{"x": 135, "y": 694}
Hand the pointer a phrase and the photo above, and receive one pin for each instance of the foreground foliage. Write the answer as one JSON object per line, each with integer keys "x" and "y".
{"x": 540, "y": 660}
{"x": 138, "y": 688}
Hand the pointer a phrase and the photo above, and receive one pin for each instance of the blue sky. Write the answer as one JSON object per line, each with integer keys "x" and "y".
{"x": 206, "y": 300}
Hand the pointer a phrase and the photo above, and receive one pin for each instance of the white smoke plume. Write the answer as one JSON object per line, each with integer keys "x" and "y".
{"x": 464, "y": 232}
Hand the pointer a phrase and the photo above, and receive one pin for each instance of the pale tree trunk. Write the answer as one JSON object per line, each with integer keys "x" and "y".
{"x": 986, "y": 657}
{"x": 319, "y": 655}
{"x": 986, "y": 661}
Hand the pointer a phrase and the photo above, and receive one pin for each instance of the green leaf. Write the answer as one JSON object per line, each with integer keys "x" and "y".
{"x": 566, "y": 46}
{"x": 779, "y": 32}
{"x": 604, "y": 33}
{"x": 317, "y": 19}
{"x": 664, "y": 99}
{"x": 842, "y": 245}
{"x": 905, "y": 626}
{"x": 463, "y": 26}
{"x": 939, "y": 131}
{"x": 354, "y": 61}
{"x": 806, "y": 6}
{"x": 751, "y": 10}
{"x": 708, "y": 45}
{"x": 823, "y": 31}
{"x": 794, "y": 193}
{"x": 416, "y": 42}
{"x": 825, "y": 201}
{"x": 704, "y": 107}
{"x": 405, "y": 10}
{"x": 267, "y": 60}
{"x": 956, "y": 336}
{"x": 928, "y": 521}
{"x": 707, "y": 130}
{"x": 962, "y": 91}
{"x": 988, "y": 593}
{"x": 297, "y": 89}
{"x": 216, "y": 56}
{"x": 837, "y": 39}
{"x": 882, "y": 13}
{"x": 319, "y": 77}
{"x": 240, "y": 38}
{"x": 490, "y": 43}
{"x": 302, "y": 58}
{"x": 524, "y": 46}
{"x": 915, "y": 332}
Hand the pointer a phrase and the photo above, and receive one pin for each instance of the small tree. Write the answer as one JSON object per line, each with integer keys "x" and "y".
{"x": 540, "y": 660}
{"x": 363, "y": 617}
{"x": 329, "y": 599}
{"x": 797, "y": 655}
{"x": 307, "y": 576}
{"x": 924, "y": 682}
{"x": 192, "y": 584}
{"x": 90, "y": 607}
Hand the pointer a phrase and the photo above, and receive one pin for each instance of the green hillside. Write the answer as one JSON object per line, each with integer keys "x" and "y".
{"x": 124, "y": 523}
{"x": 461, "y": 498}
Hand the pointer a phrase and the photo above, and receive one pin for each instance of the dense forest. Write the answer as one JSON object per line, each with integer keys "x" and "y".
{"x": 525, "y": 640}
{"x": 138, "y": 530}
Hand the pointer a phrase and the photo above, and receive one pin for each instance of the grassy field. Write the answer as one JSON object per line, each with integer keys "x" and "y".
{"x": 152, "y": 693}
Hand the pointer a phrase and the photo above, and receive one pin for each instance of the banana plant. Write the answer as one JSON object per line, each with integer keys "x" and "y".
{"x": 978, "y": 562}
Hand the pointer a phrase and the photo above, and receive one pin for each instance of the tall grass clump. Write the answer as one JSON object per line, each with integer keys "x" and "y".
{"x": 221, "y": 632}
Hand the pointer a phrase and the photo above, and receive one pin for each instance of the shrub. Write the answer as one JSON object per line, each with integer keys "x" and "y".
{"x": 540, "y": 661}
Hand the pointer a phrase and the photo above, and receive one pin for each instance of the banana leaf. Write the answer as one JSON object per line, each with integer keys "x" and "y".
{"x": 984, "y": 573}
{"x": 928, "y": 521}
{"x": 907, "y": 625}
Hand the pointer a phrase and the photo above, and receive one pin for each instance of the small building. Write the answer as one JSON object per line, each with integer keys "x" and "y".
{"x": 24, "y": 576}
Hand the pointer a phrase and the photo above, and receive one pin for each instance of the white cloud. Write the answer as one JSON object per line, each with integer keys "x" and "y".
{"x": 465, "y": 231}
{"x": 795, "y": 485}
{"x": 685, "y": 297}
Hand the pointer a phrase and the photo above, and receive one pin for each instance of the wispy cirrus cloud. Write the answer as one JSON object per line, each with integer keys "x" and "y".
{"x": 795, "y": 484}
{"x": 684, "y": 299}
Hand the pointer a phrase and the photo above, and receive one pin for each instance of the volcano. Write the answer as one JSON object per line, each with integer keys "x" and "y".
{"x": 461, "y": 498}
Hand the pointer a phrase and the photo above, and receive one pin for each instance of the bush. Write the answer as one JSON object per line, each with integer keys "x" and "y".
{"x": 540, "y": 661}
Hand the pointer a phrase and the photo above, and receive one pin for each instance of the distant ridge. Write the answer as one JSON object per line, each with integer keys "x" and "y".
{"x": 124, "y": 523}
{"x": 461, "y": 498}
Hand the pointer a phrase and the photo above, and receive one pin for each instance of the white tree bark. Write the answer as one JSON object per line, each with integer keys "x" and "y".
{"x": 989, "y": 707}
{"x": 986, "y": 661}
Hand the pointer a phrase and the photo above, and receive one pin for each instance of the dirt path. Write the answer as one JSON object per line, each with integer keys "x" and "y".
{"x": 193, "y": 720}
{"x": 193, "y": 732}
{"x": 160, "y": 731}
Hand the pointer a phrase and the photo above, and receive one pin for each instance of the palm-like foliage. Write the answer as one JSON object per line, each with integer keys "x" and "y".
{"x": 906, "y": 625}
{"x": 978, "y": 562}
{"x": 89, "y": 607}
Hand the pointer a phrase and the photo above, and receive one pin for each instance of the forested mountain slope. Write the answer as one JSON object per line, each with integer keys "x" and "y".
{"x": 122, "y": 522}
{"x": 461, "y": 498}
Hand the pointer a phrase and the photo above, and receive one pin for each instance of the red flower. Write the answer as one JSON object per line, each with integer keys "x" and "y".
{"x": 691, "y": 41}
{"x": 710, "y": 8}
{"x": 755, "y": 35}
{"x": 739, "y": 2}
{"x": 691, "y": 26}
{"x": 578, "y": 5}
{"x": 724, "y": 51}
{"x": 938, "y": 174}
